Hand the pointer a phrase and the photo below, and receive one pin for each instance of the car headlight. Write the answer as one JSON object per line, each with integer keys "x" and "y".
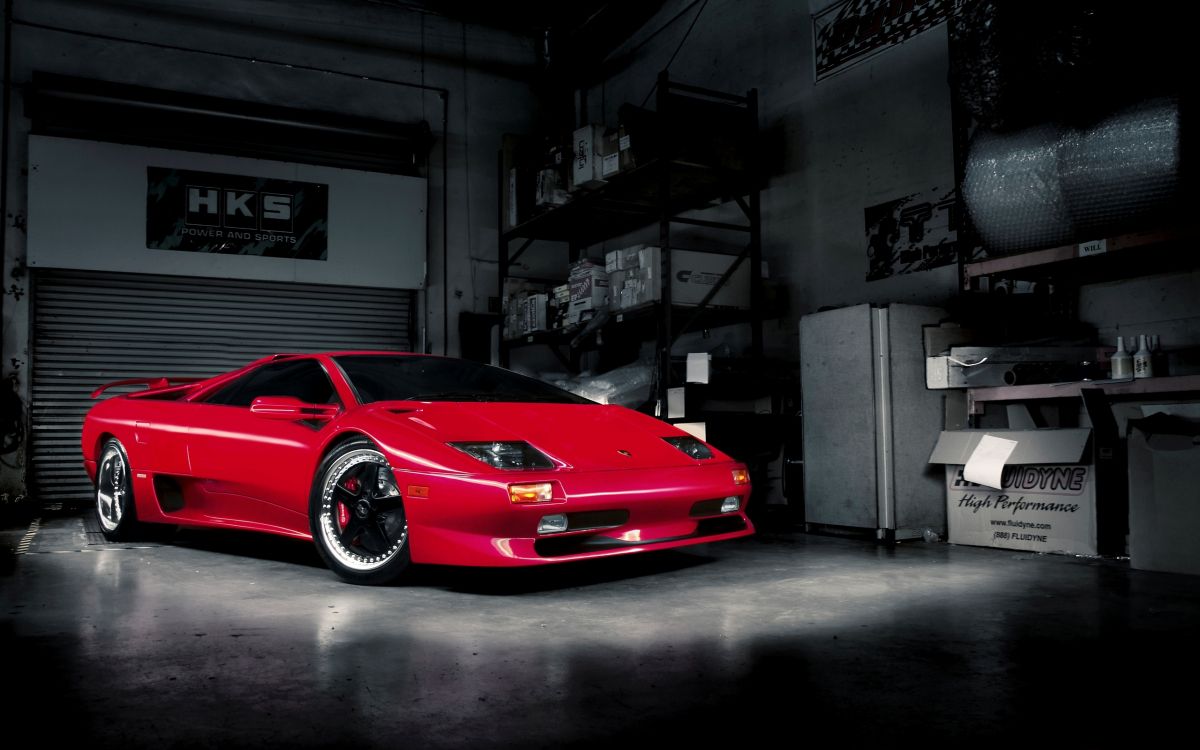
{"x": 690, "y": 446}
{"x": 515, "y": 455}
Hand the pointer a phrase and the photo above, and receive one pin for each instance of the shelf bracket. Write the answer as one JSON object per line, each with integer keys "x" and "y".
{"x": 711, "y": 224}
{"x": 524, "y": 246}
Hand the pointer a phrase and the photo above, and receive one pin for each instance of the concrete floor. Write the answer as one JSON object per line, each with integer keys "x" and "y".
{"x": 222, "y": 639}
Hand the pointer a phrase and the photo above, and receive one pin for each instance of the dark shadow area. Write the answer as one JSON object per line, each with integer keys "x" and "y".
{"x": 45, "y": 666}
{"x": 787, "y": 636}
{"x": 251, "y": 544}
{"x": 491, "y": 581}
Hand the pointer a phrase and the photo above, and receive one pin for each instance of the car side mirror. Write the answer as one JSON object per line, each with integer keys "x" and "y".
{"x": 291, "y": 409}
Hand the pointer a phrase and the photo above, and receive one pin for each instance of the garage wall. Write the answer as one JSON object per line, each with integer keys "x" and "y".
{"x": 484, "y": 72}
{"x": 1165, "y": 305}
{"x": 871, "y": 133}
{"x": 96, "y": 217}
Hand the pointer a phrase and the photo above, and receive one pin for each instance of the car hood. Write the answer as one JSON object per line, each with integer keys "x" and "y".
{"x": 582, "y": 436}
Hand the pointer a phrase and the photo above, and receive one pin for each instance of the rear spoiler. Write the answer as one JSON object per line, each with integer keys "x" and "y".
{"x": 152, "y": 384}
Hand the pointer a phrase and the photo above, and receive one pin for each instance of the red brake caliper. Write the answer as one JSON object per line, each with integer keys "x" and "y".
{"x": 352, "y": 486}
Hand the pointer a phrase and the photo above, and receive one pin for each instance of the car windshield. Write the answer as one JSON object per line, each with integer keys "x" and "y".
{"x": 378, "y": 377}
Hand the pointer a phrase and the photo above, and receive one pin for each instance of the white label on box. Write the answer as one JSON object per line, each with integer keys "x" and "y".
{"x": 986, "y": 463}
{"x": 1042, "y": 508}
{"x": 675, "y": 403}
{"x": 697, "y": 367}
{"x": 1095, "y": 247}
{"x": 610, "y": 165}
{"x": 623, "y": 143}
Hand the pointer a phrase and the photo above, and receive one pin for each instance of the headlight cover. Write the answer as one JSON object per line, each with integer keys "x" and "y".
{"x": 690, "y": 446}
{"x": 510, "y": 456}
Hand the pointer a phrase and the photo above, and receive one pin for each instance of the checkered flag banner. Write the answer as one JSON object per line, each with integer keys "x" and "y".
{"x": 851, "y": 31}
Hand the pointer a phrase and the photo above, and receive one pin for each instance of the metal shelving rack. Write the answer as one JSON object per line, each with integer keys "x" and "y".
{"x": 659, "y": 190}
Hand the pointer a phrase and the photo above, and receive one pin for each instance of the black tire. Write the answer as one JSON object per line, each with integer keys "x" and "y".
{"x": 356, "y": 514}
{"x": 114, "y": 507}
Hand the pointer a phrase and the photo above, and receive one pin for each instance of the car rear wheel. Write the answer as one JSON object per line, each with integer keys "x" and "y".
{"x": 357, "y": 515}
{"x": 115, "y": 510}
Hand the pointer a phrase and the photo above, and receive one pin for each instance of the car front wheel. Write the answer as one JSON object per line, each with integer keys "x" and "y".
{"x": 357, "y": 515}
{"x": 115, "y": 510}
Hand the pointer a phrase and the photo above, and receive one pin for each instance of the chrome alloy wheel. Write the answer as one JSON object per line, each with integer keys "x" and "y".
{"x": 112, "y": 487}
{"x": 362, "y": 518}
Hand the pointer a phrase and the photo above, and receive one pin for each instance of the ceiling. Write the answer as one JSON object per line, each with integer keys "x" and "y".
{"x": 580, "y": 33}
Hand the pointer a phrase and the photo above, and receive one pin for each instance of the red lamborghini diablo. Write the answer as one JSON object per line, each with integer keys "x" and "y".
{"x": 385, "y": 459}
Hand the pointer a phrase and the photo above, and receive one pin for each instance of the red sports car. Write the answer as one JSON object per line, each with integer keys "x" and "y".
{"x": 385, "y": 459}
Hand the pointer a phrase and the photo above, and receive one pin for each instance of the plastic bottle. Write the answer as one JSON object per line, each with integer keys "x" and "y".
{"x": 1158, "y": 357}
{"x": 1143, "y": 367}
{"x": 1122, "y": 362}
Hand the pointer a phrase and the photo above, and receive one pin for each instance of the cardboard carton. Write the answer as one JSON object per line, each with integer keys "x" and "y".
{"x": 1046, "y": 501}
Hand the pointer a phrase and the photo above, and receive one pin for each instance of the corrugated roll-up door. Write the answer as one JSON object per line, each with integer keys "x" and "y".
{"x": 92, "y": 328}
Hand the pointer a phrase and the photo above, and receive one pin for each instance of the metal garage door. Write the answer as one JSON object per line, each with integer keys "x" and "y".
{"x": 92, "y": 328}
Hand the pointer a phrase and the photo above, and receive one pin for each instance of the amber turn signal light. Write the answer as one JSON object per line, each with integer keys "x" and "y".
{"x": 536, "y": 492}
{"x": 741, "y": 476}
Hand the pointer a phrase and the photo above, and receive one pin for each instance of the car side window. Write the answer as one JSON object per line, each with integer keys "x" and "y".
{"x": 304, "y": 379}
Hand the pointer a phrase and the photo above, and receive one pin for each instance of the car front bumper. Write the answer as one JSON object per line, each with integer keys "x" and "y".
{"x": 470, "y": 520}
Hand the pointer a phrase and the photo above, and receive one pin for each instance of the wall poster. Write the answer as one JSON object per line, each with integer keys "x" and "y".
{"x": 914, "y": 233}
{"x": 211, "y": 212}
{"x": 853, "y": 30}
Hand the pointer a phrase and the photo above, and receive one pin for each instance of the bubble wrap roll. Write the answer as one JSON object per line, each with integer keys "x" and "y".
{"x": 1013, "y": 192}
{"x": 1121, "y": 171}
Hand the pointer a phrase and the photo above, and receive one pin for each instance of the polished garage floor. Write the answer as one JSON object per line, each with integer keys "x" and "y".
{"x": 224, "y": 640}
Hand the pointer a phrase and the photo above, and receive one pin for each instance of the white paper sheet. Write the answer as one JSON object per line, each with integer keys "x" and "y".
{"x": 986, "y": 464}
{"x": 675, "y": 403}
{"x": 697, "y": 367}
{"x": 695, "y": 429}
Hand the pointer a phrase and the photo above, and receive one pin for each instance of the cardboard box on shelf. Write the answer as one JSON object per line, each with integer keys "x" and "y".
{"x": 939, "y": 338}
{"x": 1044, "y": 498}
{"x": 610, "y": 154}
{"x": 516, "y": 293}
{"x": 550, "y": 190}
{"x": 693, "y": 275}
{"x": 580, "y": 312}
{"x": 585, "y": 164}
{"x": 626, "y": 257}
{"x": 1164, "y": 506}
{"x": 625, "y": 149}
{"x": 535, "y": 308}
{"x": 589, "y": 282}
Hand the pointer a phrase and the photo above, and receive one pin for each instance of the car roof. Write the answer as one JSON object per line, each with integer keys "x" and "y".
{"x": 348, "y": 353}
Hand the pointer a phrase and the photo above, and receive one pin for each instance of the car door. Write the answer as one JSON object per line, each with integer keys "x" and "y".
{"x": 253, "y": 470}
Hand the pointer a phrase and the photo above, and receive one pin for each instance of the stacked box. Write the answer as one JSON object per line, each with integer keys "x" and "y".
{"x": 610, "y": 158}
{"x": 623, "y": 259}
{"x": 560, "y": 302}
{"x": 586, "y": 169}
{"x": 515, "y": 307}
{"x": 534, "y": 313}
{"x": 589, "y": 291}
{"x": 634, "y": 274}
{"x": 625, "y": 150}
{"x": 550, "y": 190}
